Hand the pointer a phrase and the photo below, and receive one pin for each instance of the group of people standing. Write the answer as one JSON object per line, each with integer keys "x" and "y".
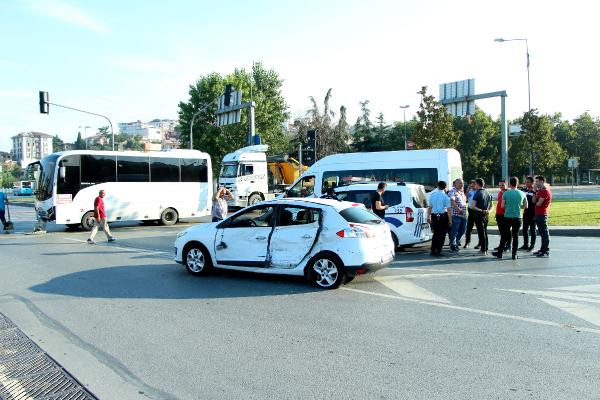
{"x": 457, "y": 211}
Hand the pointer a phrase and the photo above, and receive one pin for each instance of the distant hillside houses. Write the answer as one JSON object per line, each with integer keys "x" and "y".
{"x": 155, "y": 130}
{"x": 31, "y": 146}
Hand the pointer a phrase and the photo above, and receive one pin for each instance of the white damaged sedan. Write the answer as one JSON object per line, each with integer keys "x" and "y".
{"x": 327, "y": 241}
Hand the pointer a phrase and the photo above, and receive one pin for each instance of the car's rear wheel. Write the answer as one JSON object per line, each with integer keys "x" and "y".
{"x": 196, "y": 259}
{"x": 326, "y": 272}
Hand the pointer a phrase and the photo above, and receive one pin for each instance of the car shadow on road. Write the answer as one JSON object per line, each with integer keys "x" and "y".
{"x": 165, "y": 281}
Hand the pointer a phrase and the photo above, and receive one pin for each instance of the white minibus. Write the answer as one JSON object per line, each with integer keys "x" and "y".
{"x": 163, "y": 186}
{"x": 425, "y": 167}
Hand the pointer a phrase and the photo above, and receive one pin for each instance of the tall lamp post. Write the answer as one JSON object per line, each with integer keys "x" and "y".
{"x": 85, "y": 128}
{"x": 404, "y": 110}
{"x": 501, "y": 40}
{"x": 192, "y": 122}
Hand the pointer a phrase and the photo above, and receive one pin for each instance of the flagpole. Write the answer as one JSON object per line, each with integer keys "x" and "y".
{"x": 528, "y": 82}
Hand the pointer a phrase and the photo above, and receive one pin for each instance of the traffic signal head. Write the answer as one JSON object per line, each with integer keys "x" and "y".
{"x": 44, "y": 103}
{"x": 228, "y": 90}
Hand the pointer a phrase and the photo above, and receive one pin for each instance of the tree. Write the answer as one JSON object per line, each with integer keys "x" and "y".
{"x": 434, "y": 128}
{"x": 479, "y": 144}
{"x": 332, "y": 137}
{"x": 270, "y": 113}
{"x": 57, "y": 144}
{"x": 537, "y": 146}
{"x": 79, "y": 143}
{"x": 586, "y": 143}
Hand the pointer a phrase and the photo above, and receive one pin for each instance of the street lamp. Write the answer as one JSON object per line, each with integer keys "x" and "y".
{"x": 500, "y": 40}
{"x": 192, "y": 122}
{"x": 404, "y": 110}
{"x": 85, "y": 128}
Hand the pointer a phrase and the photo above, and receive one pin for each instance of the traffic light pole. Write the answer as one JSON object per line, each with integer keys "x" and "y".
{"x": 112, "y": 132}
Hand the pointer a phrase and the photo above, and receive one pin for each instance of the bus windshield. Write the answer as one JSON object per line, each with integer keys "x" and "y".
{"x": 45, "y": 183}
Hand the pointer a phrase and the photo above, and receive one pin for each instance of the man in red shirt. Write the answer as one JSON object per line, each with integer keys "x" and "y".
{"x": 504, "y": 230}
{"x": 542, "y": 200}
{"x": 100, "y": 217}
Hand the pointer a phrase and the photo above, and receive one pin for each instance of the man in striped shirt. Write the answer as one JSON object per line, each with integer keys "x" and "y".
{"x": 459, "y": 213}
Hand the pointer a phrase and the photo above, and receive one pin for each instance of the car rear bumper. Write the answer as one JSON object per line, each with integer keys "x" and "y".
{"x": 353, "y": 270}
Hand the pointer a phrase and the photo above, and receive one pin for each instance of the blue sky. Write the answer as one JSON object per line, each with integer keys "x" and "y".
{"x": 135, "y": 60}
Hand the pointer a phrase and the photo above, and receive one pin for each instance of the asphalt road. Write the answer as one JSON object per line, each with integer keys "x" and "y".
{"x": 129, "y": 323}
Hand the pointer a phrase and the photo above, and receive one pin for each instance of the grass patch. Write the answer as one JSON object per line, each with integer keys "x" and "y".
{"x": 566, "y": 212}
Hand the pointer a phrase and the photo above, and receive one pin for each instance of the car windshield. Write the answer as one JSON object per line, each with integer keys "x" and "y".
{"x": 229, "y": 170}
{"x": 360, "y": 215}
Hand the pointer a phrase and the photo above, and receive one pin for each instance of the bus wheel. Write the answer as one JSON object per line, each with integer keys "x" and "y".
{"x": 169, "y": 217}
{"x": 88, "y": 221}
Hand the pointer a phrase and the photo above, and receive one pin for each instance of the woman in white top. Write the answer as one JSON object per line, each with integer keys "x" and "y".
{"x": 219, "y": 206}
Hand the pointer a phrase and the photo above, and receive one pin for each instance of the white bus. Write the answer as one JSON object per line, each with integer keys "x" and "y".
{"x": 163, "y": 186}
{"x": 425, "y": 167}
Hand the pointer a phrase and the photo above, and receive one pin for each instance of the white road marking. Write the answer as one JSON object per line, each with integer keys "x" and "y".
{"x": 406, "y": 288}
{"x": 159, "y": 253}
{"x": 557, "y": 295}
{"x": 577, "y": 294}
{"x": 582, "y": 288}
{"x": 427, "y": 271}
{"x": 478, "y": 311}
{"x": 587, "y": 313}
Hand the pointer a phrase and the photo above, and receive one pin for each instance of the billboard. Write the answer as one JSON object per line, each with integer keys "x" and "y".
{"x": 449, "y": 92}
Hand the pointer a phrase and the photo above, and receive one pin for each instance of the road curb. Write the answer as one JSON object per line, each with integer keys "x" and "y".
{"x": 584, "y": 231}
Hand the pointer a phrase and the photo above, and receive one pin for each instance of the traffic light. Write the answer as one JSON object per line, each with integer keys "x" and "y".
{"x": 309, "y": 151}
{"x": 44, "y": 103}
{"x": 228, "y": 90}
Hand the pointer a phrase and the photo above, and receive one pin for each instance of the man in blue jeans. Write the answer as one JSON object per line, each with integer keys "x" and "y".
{"x": 3, "y": 201}
{"x": 459, "y": 213}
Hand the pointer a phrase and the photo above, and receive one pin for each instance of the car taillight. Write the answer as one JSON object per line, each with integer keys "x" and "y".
{"x": 356, "y": 231}
{"x": 409, "y": 214}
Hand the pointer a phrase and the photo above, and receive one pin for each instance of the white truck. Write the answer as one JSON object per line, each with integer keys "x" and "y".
{"x": 251, "y": 176}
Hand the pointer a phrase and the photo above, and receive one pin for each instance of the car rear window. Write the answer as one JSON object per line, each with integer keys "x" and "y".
{"x": 391, "y": 198}
{"x": 419, "y": 198}
{"x": 360, "y": 215}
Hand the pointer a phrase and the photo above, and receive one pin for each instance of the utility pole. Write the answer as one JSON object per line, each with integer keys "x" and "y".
{"x": 404, "y": 109}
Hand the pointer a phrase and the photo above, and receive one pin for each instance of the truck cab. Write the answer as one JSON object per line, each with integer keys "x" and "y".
{"x": 244, "y": 172}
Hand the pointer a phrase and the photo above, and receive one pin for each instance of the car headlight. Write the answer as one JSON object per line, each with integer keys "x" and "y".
{"x": 182, "y": 233}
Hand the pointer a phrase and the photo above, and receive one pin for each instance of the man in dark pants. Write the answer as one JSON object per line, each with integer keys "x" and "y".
{"x": 529, "y": 216}
{"x": 513, "y": 201}
{"x": 542, "y": 199}
{"x": 439, "y": 217}
{"x": 481, "y": 205}
{"x": 471, "y": 217}
{"x": 504, "y": 230}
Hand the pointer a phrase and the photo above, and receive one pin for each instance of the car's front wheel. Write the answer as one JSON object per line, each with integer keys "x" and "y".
{"x": 196, "y": 259}
{"x": 326, "y": 272}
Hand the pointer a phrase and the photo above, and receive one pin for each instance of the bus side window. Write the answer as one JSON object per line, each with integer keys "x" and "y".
{"x": 71, "y": 182}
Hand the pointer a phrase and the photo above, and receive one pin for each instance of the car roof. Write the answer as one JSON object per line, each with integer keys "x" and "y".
{"x": 391, "y": 186}
{"x": 313, "y": 201}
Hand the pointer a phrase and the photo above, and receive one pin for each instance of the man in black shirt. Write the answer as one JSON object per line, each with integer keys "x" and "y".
{"x": 481, "y": 205}
{"x": 529, "y": 216}
{"x": 378, "y": 206}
